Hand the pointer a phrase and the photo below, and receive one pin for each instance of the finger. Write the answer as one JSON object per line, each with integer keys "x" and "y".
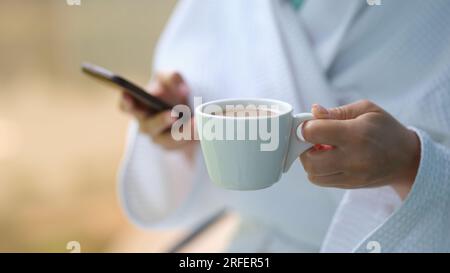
{"x": 133, "y": 102}
{"x": 157, "y": 123}
{"x": 319, "y": 112}
{"x": 322, "y": 163}
{"x": 338, "y": 180}
{"x": 353, "y": 110}
{"x": 170, "y": 80}
{"x": 321, "y": 131}
{"x": 154, "y": 88}
{"x": 166, "y": 141}
{"x": 128, "y": 104}
{"x": 170, "y": 87}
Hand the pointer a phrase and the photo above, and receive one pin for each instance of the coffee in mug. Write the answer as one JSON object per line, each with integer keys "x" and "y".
{"x": 247, "y": 113}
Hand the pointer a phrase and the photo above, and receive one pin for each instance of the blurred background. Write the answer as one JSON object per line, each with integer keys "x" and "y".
{"x": 61, "y": 133}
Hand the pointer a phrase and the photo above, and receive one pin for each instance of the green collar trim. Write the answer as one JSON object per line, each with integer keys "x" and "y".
{"x": 297, "y": 3}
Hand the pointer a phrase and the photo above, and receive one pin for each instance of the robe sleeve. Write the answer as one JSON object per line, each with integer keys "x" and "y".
{"x": 161, "y": 189}
{"x": 422, "y": 223}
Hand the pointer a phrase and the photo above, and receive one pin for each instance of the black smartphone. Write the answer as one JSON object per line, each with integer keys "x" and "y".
{"x": 154, "y": 104}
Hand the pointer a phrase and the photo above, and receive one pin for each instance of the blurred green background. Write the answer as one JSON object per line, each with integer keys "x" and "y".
{"x": 61, "y": 134}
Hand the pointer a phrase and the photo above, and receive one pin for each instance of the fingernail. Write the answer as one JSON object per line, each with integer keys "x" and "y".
{"x": 323, "y": 147}
{"x": 317, "y": 147}
{"x": 319, "y": 109}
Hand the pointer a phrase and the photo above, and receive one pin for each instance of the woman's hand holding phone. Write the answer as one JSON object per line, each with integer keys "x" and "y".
{"x": 171, "y": 88}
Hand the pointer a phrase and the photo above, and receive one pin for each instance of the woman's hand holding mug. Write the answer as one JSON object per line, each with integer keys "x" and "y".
{"x": 369, "y": 148}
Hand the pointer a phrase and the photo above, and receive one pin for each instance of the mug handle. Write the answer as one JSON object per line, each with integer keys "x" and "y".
{"x": 297, "y": 143}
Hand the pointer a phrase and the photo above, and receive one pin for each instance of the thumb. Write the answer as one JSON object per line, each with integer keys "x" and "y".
{"x": 349, "y": 111}
{"x": 173, "y": 88}
{"x": 170, "y": 80}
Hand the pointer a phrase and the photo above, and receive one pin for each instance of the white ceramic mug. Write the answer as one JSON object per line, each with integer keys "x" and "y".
{"x": 246, "y": 164}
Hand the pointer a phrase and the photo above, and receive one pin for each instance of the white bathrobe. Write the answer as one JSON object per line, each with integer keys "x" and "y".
{"x": 329, "y": 52}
